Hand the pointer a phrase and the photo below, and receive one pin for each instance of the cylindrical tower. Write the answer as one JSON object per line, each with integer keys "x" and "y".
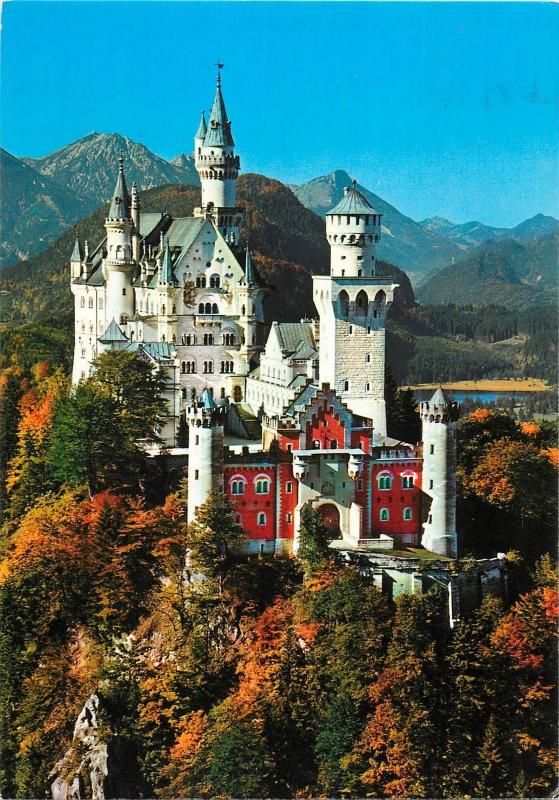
{"x": 353, "y": 231}
{"x": 439, "y": 418}
{"x": 118, "y": 263}
{"x": 205, "y": 451}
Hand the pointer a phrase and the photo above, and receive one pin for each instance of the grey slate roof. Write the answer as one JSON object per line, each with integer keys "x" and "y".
{"x": 219, "y": 127}
{"x": 353, "y": 202}
{"x": 296, "y": 337}
{"x": 301, "y": 401}
{"x": 120, "y": 203}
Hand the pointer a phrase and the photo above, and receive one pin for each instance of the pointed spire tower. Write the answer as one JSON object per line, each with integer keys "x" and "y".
{"x": 76, "y": 260}
{"x": 218, "y": 168}
{"x": 118, "y": 263}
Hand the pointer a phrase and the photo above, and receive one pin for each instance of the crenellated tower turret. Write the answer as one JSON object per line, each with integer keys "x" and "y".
{"x": 218, "y": 168}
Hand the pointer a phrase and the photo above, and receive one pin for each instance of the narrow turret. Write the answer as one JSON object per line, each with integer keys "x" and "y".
{"x": 206, "y": 423}
{"x": 439, "y": 418}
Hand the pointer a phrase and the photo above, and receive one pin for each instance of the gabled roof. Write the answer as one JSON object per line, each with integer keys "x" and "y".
{"x": 120, "y": 203}
{"x": 113, "y": 334}
{"x": 353, "y": 202}
{"x": 219, "y": 127}
{"x": 295, "y": 337}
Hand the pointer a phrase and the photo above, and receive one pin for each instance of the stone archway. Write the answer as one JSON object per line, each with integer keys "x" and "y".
{"x": 330, "y": 515}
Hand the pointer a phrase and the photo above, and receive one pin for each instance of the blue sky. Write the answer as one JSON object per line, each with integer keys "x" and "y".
{"x": 448, "y": 109}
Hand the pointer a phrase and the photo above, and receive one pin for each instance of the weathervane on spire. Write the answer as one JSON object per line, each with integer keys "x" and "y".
{"x": 219, "y": 66}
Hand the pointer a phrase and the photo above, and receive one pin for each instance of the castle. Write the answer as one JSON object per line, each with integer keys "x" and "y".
{"x": 294, "y": 420}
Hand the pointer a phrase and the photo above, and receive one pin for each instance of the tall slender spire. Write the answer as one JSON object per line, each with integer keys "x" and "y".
{"x": 166, "y": 274}
{"x": 250, "y": 274}
{"x": 219, "y": 126}
{"x": 120, "y": 202}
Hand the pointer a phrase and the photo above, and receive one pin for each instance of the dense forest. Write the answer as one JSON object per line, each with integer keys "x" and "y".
{"x": 285, "y": 676}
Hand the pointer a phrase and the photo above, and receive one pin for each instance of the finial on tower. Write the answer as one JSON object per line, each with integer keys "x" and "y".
{"x": 219, "y": 66}
{"x": 121, "y": 161}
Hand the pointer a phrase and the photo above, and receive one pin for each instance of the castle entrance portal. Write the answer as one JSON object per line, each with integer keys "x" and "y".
{"x": 330, "y": 517}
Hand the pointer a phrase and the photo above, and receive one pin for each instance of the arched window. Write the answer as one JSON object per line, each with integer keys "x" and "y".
{"x": 407, "y": 481}
{"x": 183, "y": 367}
{"x": 200, "y": 308}
{"x": 343, "y": 304}
{"x": 261, "y": 518}
{"x": 407, "y": 515}
{"x": 238, "y": 485}
{"x": 316, "y": 444}
{"x": 201, "y": 282}
{"x": 163, "y": 309}
{"x": 82, "y": 302}
{"x": 214, "y": 308}
{"x": 361, "y": 304}
{"x": 384, "y": 515}
{"x": 262, "y": 484}
{"x": 384, "y": 481}
{"x": 333, "y": 445}
{"x": 214, "y": 281}
{"x": 346, "y": 386}
{"x": 208, "y": 308}
{"x": 90, "y": 302}
{"x": 380, "y": 299}
{"x": 237, "y": 394}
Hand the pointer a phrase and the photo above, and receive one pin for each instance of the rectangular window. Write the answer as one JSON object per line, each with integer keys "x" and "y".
{"x": 196, "y": 473}
{"x": 124, "y": 290}
{"x": 431, "y": 484}
{"x": 432, "y": 449}
{"x": 288, "y": 487}
{"x": 359, "y": 485}
{"x": 288, "y": 517}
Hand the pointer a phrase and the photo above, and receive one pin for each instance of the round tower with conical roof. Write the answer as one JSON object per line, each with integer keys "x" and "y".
{"x": 206, "y": 421}
{"x": 218, "y": 167}
{"x": 439, "y": 417}
{"x": 353, "y": 231}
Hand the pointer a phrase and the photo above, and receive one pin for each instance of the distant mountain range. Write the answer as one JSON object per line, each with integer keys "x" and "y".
{"x": 471, "y": 234}
{"x": 34, "y": 209}
{"x": 88, "y": 167}
{"x": 505, "y": 272}
{"x": 41, "y": 197}
{"x": 404, "y": 242}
